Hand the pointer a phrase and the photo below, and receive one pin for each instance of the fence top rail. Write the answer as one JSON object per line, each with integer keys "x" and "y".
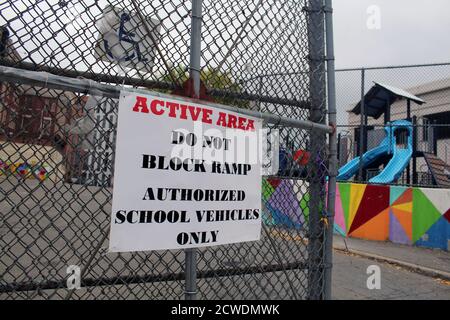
{"x": 395, "y": 67}
{"x": 153, "y": 84}
{"x": 87, "y": 86}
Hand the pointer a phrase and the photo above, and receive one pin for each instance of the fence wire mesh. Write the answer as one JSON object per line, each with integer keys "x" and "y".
{"x": 57, "y": 143}
{"x": 430, "y": 121}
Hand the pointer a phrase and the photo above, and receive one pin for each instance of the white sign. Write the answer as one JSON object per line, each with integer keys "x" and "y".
{"x": 186, "y": 175}
{"x": 123, "y": 39}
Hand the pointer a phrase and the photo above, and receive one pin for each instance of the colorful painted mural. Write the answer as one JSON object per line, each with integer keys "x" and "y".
{"x": 24, "y": 170}
{"x": 285, "y": 203}
{"x": 31, "y": 161}
{"x": 414, "y": 216}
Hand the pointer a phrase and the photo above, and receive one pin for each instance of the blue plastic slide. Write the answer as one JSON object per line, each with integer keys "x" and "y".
{"x": 399, "y": 161}
{"x": 400, "y": 156}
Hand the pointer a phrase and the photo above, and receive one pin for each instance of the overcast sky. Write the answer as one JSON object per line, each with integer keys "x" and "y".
{"x": 412, "y": 31}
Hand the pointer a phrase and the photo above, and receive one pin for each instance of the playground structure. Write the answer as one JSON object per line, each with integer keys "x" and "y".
{"x": 380, "y": 210}
{"x": 396, "y": 155}
{"x": 396, "y": 165}
{"x": 373, "y": 207}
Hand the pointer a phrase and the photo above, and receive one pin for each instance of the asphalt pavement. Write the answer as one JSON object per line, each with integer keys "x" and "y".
{"x": 406, "y": 272}
{"x": 49, "y": 227}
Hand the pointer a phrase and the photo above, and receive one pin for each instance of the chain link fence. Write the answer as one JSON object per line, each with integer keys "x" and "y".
{"x": 62, "y": 66}
{"x": 430, "y": 121}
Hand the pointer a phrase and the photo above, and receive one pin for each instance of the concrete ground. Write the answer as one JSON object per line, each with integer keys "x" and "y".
{"x": 398, "y": 280}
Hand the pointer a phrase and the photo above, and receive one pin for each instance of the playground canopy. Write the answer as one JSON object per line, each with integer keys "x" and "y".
{"x": 380, "y": 97}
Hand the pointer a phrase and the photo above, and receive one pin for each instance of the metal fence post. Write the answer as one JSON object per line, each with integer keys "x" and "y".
{"x": 316, "y": 180}
{"x": 434, "y": 131}
{"x": 414, "y": 160}
{"x": 328, "y": 259}
{"x": 196, "y": 35}
{"x": 361, "y": 128}
{"x": 260, "y": 87}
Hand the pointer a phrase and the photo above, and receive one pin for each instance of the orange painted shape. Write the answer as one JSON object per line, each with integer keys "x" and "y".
{"x": 405, "y": 219}
{"x": 376, "y": 229}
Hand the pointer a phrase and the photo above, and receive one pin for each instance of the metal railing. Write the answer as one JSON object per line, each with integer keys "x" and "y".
{"x": 67, "y": 63}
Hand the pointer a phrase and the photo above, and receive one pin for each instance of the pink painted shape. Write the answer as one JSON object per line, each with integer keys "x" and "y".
{"x": 339, "y": 215}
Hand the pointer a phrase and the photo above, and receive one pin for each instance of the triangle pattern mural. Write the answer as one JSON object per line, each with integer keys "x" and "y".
{"x": 404, "y": 215}
{"x": 356, "y": 195}
{"x": 447, "y": 215}
{"x": 401, "y": 210}
{"x": 404, "y": 218}
{"x": 397, "y": 232}
{"x": 269, "y": 215}
{"x": 304, "y": 201}
{"x": 405, "y": 197}
{"x": 375, "y": 200}
{"x": 344, "y": 193}
{"x": 339, "y": 230}
{"x": 302, "y": 196}
{"x": 425, "y": 214}
{"x": 267, "y": 190}
{"x": 376, "y": 228}
{"x": 285, "y": 204}
{"x": 404, "y": 206}
{"x": 440, "y": 200}
{"x": 437, "y": 235}
{"x": 339, "y": 218}
{"x": 274, "y": 182}
{"x": 395, "y": 193}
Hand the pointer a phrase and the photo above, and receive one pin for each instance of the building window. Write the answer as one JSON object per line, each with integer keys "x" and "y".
{"x": 35, "y": 121}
